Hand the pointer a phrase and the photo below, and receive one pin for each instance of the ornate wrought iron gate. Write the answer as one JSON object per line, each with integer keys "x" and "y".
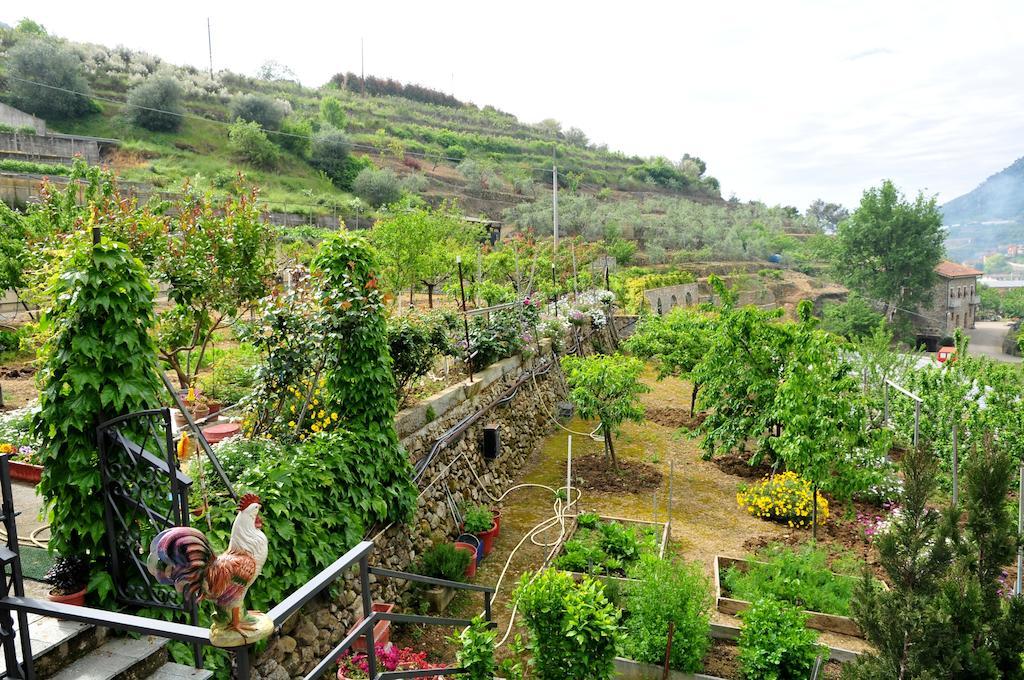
{"x": 144, "y": 493}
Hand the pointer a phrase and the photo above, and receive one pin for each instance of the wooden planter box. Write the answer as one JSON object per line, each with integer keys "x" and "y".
{"x": 627, "y": 669}
{"x": 439, "y": 598}
{"x": 832, "y": 623}
{"x": 26, "y": 472}
{"x": 619, "y": 579}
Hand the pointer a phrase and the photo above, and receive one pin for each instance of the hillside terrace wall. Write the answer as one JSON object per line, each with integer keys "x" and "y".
{"x": 48, "y": 149}
{"x": 311, "y": 633}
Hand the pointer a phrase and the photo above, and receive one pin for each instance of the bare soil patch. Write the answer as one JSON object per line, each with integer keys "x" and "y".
{"x": 739, "y": 465}
{"x": 675, "y": 417}
{"x": 595, "y": 473}
{"x": 15, "y": 372}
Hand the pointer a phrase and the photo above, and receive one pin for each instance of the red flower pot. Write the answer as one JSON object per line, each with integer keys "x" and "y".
{"x": 497, "y": 518}
{"x": 26, "y": 472}
{"x": 218, "y": 433}
{"x": 77, "y": 599}
{"x": 471, "y": 549}
{"x": 381, "y": 630}
{"x": 487, "y": 538}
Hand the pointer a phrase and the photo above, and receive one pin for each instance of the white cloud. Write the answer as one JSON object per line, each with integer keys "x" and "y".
{"x": 786, "y": 101}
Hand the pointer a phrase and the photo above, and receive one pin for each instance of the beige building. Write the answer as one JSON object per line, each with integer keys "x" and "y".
{"x": 955, "y": 301}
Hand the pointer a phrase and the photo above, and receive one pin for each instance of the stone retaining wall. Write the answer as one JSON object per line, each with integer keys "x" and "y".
{"x": 312, "y": 632}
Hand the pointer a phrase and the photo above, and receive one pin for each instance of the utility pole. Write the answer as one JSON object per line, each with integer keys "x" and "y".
{"x": 362, "y": 66}
{"x": 209, "y": 45}
{"x": 554, "y": 224}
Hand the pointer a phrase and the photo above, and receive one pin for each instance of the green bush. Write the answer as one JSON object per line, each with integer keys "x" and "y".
{"x": 333, "y": 113}
{"x": 602, "y": 547}
{"x": 98, "y": 362}
{"x": 231, "y": 377}
{"x": 251, "y": 143}
{"x": 574, "y": 629}
{"x": 295, "y": 136}
{"x": 330, "y": 153}
{"x": 798, "y": 577}
{"x": 668, "y": 591}
{"x": 377, "y": 187}
{"x": 59, "y": 73}
{"x": 12, "y": 130}
{"x": 155, "y": 104}
{"x": 415, "y": 342}
{"x": 444, "y": 560}
{"x": 34, "y": 168}
{"x": 260, "y": 109}
{"x": 478, "y": 519}
{"x": 774, "y": 644}
{"x": 476, "y": 650}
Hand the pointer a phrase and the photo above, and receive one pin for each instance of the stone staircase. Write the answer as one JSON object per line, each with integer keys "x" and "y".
{"x": 66, "y": 650}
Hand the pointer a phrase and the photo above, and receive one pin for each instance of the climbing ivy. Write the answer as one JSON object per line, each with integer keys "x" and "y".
{"x": 98, "y": 362}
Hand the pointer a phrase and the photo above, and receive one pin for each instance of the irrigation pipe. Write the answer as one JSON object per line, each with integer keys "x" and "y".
{"x": 33, "y": 539}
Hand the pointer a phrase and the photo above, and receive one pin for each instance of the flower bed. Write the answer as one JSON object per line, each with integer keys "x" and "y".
{"x": 818, "y": 620}
{"x": 784, "y": 498}
{"x": 609, "y": 546}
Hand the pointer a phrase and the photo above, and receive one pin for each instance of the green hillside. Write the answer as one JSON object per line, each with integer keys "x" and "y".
{"x": 988, "y": 217}
{"x": 485, "y": 157}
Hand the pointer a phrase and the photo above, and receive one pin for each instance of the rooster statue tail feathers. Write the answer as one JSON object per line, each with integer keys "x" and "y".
{"x": 179, "y": 557}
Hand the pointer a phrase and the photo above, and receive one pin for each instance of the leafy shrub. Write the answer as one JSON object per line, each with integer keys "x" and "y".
{"x": 668, "y": 591}
{"x": 377, "y": 187}
{"x": 53, "y": 65}
{"x": 231, "y": 377}
{"x": 251, "y": 143}
{"x": 455, "y": 152}
{"x": 21, "y": 130}
{"x": 155, "y": 104}
{"x": 476, "y": 650}
{"x": 98, "y": 362}
{"x": 330, "y": 152}
{"x": 774, "y": 644}
{"x": 784, "y": 498}
{"x": 605, "y": 547}
{"x": 260, "y": 109}
{"x": 415, "y": 342}
{"x": 574, "y": 629}
{"x": 333, "y": 113}
{"x": 493, "y": 340}
{"x": 799, "y": 577}
{"x": 444, "y": 560}
{"x": 478, "y": 519}
{"x": 11, "y": 339}
{"x": 295, "y": 136}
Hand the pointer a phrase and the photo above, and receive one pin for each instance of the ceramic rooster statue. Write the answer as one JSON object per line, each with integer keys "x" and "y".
{"x": 183, "y": 558}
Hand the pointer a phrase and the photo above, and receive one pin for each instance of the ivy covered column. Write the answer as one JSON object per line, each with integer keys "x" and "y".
{"x": 98, "y": 362}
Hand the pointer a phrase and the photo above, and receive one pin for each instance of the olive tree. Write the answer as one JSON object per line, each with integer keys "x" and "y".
{"x": 155, "y": 104}
{"x": 47, "y": 79}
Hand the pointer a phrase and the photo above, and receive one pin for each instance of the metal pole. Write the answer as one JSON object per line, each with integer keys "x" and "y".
{"x": 209, "y": 45}
{"x": 917, "y": 421}
{"x": 554, "y": 208}
{"x": 364, "y": 586}
{"x": 568, "y": 478}
{"x": 96, "y": 235}
{"x": 25, "y": 670}
{"x": 671, "y": 473}
{"x": 885, "y": 401}
{"x": 465, "y": 319}
{"x": 956, "y": 466}
{"x": 243, "y": 665}
{"x": 1020, "y": 527}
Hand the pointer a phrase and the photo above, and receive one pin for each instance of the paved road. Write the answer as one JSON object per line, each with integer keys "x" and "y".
{"x": 987, "y": 340}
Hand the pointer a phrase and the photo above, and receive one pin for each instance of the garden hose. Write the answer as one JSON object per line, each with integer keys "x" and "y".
{"x": 33, "y": 539}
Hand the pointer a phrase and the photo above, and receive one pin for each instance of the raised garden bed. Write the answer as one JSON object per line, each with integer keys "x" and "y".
{"x": 832, "y": 623}
{"x": 590, "y": 548}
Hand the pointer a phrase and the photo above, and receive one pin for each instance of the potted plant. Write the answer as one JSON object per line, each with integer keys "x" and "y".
{"x": 480, "y": 521}
{"x": 23, "y": 463}
{"x": 444, "y": 561}
{"x": 353, "y": 666}
{"x": 68, "y": 578}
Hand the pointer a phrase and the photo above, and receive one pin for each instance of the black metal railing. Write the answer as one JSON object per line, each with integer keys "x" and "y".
{"x": 17, "y": 605}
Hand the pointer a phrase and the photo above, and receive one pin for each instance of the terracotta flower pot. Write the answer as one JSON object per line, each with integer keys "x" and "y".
{"x": 497, "y": 518}
{"x": 381, "y": 630}
{"x": 77, "y": 599}
{"x": 474, "y": 540}
{"x": 471, "y": 549}
{"x": 487, "y": 538}
{"x": 26, "y": 472}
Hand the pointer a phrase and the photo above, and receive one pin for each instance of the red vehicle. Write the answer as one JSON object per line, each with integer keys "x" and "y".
{"x": 946, "y": 354}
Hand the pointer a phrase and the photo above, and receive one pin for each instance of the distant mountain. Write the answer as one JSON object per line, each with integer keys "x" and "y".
{"x": 1000, "y": 197}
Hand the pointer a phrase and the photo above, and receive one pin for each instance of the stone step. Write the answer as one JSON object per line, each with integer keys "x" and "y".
{"x": 120, "y": 658}
{"x": 57, "y": 643}
{"x": 177, "y": 671}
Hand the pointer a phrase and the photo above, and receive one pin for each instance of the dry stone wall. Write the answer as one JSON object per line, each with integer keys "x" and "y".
{"x": 529, "y": 390}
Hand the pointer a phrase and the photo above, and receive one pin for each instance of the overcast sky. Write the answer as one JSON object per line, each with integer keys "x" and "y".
{"x": 787, "y": 101}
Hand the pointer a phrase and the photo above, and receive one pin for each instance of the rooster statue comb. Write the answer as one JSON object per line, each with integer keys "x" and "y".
{"x": 182, "y": 557}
